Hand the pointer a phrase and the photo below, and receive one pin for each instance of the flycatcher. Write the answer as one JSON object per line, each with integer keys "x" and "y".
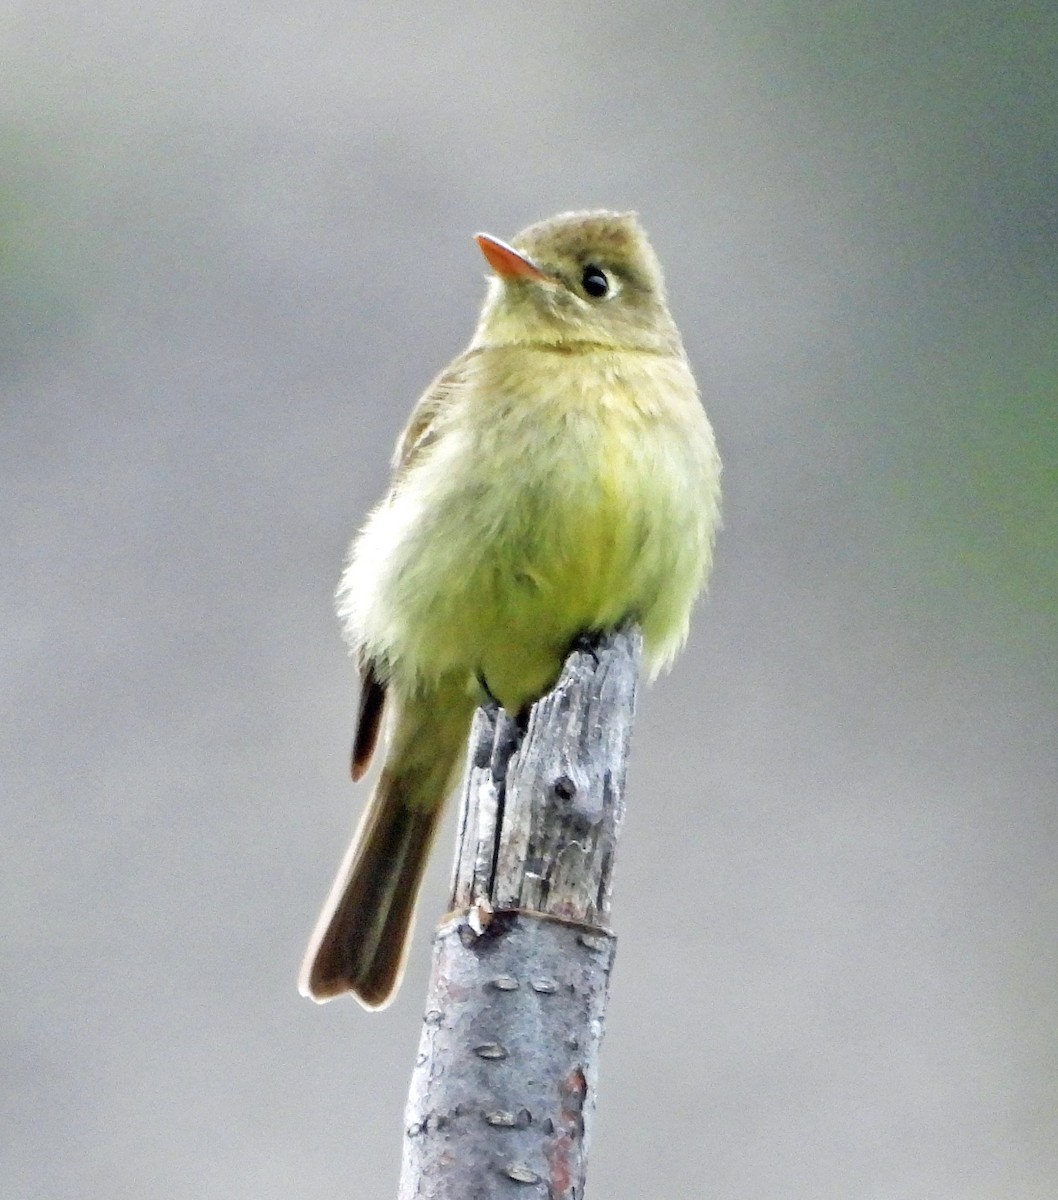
{"x": 558, "y": 478}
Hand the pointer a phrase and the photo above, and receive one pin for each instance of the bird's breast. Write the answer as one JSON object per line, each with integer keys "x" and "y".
{"x": 561, "y": 496}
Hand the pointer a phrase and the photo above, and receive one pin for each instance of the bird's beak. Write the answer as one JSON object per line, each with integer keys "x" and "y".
{"x": 507, "y": 262}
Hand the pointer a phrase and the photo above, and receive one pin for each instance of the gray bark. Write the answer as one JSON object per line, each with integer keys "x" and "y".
{"x": 503, "y": 1090}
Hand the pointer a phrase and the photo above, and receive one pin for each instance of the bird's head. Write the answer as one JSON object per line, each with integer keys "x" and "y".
{"x": 581, "y": 278}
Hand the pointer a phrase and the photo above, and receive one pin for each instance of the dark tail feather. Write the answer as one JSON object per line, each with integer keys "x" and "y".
{"x": 361, "y": 940}
{"x": 364, "y": 945}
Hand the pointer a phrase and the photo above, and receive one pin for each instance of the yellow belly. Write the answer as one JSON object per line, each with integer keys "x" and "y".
{"x": 535, "y": 520}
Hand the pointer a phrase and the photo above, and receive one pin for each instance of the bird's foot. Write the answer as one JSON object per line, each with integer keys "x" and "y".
{"x": 491, "y": 704}
{"x": 587, "y": 642}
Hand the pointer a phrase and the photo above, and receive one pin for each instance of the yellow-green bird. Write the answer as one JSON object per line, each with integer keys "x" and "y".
{"x": 557, "y": 479}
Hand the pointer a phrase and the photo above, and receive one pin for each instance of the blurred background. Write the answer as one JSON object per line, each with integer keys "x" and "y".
{"x": 236, "y": 246}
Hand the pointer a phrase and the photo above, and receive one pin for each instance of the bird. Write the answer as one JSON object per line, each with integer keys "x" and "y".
{"x": 559, "y": 478}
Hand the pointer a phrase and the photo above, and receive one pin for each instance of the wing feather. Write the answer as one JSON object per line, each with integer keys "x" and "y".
{"x": 427, "y": 417}
{"x": 368, "y": 718}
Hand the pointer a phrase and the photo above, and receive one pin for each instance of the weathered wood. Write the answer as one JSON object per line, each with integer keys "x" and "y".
{"x": 503, "y": 1090}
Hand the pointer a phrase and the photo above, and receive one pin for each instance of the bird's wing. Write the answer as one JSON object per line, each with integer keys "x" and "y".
{"x": 422, "y": 430}
{"x": 423, "y": 427}
{"x": 368, "y": 718}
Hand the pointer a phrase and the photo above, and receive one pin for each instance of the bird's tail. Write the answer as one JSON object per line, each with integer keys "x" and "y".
{"x": 361, "y": 939}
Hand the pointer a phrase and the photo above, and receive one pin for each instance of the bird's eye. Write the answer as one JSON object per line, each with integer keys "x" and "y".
{"x": 595, "y": 282}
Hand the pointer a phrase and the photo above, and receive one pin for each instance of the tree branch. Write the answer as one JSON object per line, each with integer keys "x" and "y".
{"x": 503, "y": 1090}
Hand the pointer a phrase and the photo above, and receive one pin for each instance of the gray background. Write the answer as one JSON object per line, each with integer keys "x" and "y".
{"x": 237, "y": 247}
